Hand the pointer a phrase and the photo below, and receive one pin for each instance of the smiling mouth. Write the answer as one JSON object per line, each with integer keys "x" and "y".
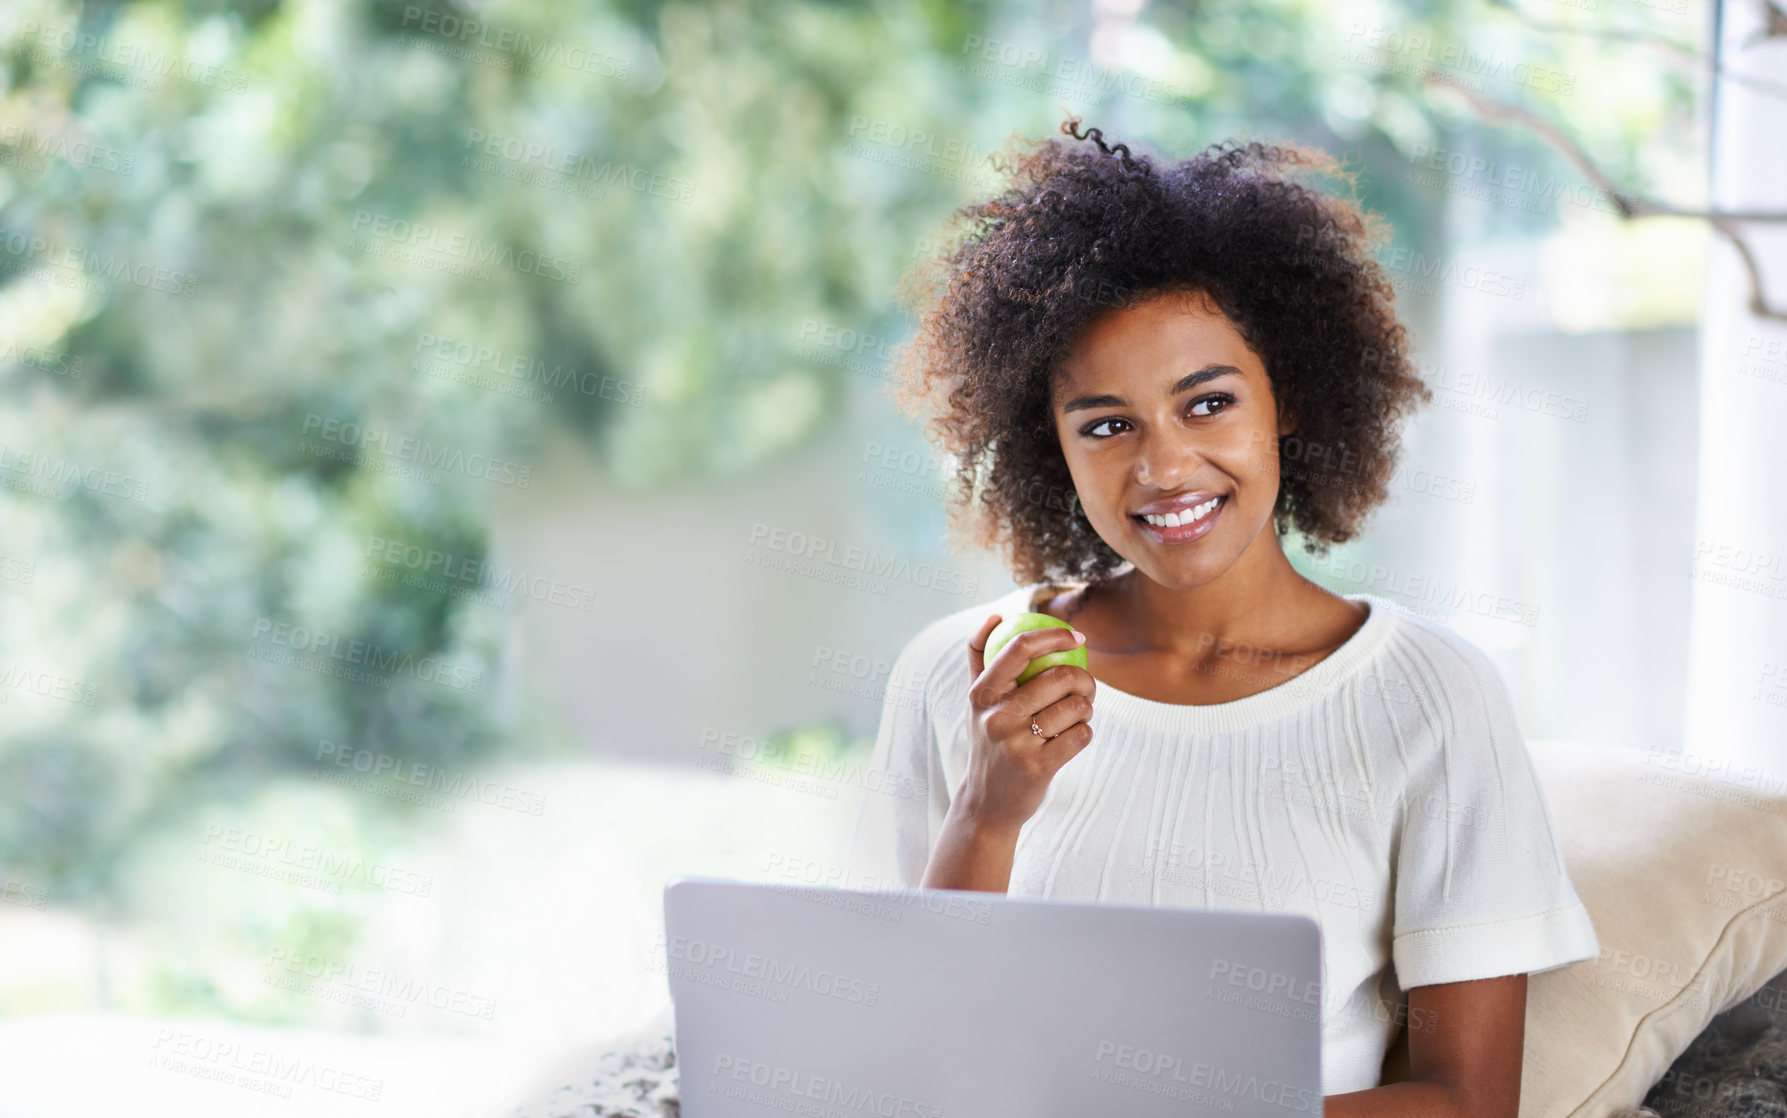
{"x": 1189, "y": 516}
{"x": 1180, "y": 527}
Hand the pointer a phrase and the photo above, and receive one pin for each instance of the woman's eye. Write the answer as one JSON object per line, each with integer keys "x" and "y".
{"x": 1220, "y": 400}
{"x": 1093, "y": 428}
{"x": 1203, "y": 407}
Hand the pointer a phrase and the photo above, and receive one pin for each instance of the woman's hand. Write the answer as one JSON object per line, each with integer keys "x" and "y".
{"x": 1009, "y": 765}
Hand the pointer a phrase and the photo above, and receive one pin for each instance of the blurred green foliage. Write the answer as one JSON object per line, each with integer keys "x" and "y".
{"x": 233, "y": 233}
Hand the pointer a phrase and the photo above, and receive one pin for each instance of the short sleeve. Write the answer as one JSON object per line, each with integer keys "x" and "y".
{"x": 905, "y": 795}
{"x": 1481, "y": 889}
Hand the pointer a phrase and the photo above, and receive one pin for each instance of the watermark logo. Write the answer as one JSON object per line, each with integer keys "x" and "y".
{"x": 517, "y": 374}
{"x": 854, "y": 566}
{"x": 24, "y": 894}
{"x": 37, "y": 357}
{"x": 379, "y": 989}
{"x": 429, "y": 246}
{"x": 534, "y": 163}
{"x": 306, "y": 864}
{"x": 784, "y": 762}
{"x": 1044, "y": 71}
{"x": 1745, "y": 569}
{"x": 1504, "y": 184}
{"x": 412, "y": 781}
{"x": 460, "y": 576}
{"x": 1396, "y": 51}
{"x": 86, "y": 269}
{"x": 1176, "y": 1076}
{"x": 779, "y": 1087}
{"x": 139, "y": 65}
{"x": 31, "y": 151}
{"x": 359, "y": 661}
{"x": 344, "y": 440}
{"x": 756, "y": 974}
{"x": 253, "y": 1068}
{"x": 504, "y": 48}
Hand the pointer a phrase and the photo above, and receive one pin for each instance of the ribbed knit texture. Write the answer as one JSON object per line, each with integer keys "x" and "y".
{"x": 1386, "y": 792}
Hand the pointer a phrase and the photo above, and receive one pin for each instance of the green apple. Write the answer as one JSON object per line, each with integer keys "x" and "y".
{"x": 1023, "y": 623}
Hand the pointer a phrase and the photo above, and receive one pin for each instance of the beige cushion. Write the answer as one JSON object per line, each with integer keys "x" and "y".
{"x": 1684, "y": 878}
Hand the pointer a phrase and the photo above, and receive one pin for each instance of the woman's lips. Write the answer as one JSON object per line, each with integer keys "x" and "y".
{"x": 1184, "y": 533}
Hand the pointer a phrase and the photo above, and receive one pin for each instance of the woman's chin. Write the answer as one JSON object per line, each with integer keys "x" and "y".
{"x": 1183, "y": 574}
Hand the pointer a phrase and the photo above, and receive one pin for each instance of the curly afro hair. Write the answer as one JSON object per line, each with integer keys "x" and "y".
{"x": 1080, "y": 229}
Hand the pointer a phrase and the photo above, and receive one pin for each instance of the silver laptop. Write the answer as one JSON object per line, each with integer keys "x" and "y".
{"x": 946, "y": 1004}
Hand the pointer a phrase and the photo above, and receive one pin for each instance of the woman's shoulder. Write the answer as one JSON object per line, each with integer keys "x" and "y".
{"x": 1446, "y": 690}
{"x": 1425, "y": 646}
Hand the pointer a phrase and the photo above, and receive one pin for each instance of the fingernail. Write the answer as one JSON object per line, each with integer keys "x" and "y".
{"x": 1079, "y": 637}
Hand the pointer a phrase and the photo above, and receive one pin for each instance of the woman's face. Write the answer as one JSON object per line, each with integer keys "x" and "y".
{"x": 1162, "y": 408}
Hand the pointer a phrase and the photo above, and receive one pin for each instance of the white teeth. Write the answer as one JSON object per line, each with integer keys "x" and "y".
{"x": 1175, "y": 519}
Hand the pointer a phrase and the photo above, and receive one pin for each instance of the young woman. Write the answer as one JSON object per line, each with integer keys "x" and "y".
{"x": 1146, "y": 376}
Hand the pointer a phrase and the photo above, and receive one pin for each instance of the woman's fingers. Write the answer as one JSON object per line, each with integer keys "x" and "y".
{"x": 1056, "y": 717}
{"x": 1051, "y": 685}
{"x": 1062, "y": 748}
{"x": 1000, "y": 677}
{"x": 977, "y": 645}
{"x": 1061, "y": 684}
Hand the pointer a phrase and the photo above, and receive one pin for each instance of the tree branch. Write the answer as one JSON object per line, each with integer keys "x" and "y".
{"x": 1630, "y": 206}
{"x": 1774, "y": 23}
{"x": 1663, "y": 44}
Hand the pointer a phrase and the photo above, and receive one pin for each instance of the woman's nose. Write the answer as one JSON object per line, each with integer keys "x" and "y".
{"x": 1165, "y": 463}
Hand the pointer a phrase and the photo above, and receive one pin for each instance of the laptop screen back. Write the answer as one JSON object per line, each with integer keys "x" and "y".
{"x": 946, "y": 1004}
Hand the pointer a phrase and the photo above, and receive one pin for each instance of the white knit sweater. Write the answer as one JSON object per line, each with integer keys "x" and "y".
{"x": 1386, "y": 792}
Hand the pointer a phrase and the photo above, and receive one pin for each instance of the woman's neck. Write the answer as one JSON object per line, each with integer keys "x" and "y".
{"x": 1260, "y": 601}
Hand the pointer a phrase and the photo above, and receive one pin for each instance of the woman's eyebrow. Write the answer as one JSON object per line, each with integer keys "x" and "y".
{"x": 1189, "y": 380}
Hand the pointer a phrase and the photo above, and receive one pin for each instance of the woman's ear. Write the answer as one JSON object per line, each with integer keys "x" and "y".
{"x": 1287, "y": 419}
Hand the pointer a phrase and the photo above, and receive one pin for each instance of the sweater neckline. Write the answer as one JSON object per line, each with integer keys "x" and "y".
{"x": 1304, "y": 689}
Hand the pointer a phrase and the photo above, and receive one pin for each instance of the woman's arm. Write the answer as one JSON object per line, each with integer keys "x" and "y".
{"x": 971, "y": 855}
{"x": 1010, "y": 765}
{"x": 1464, "y": 1058}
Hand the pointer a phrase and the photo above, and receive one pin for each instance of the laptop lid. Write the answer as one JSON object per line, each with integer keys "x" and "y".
{"x": 948, "y": 1004}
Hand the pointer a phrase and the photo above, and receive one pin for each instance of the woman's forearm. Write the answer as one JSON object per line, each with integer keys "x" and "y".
{"x": 971, "y": 854}
{"x": 1403, "y": 1100}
